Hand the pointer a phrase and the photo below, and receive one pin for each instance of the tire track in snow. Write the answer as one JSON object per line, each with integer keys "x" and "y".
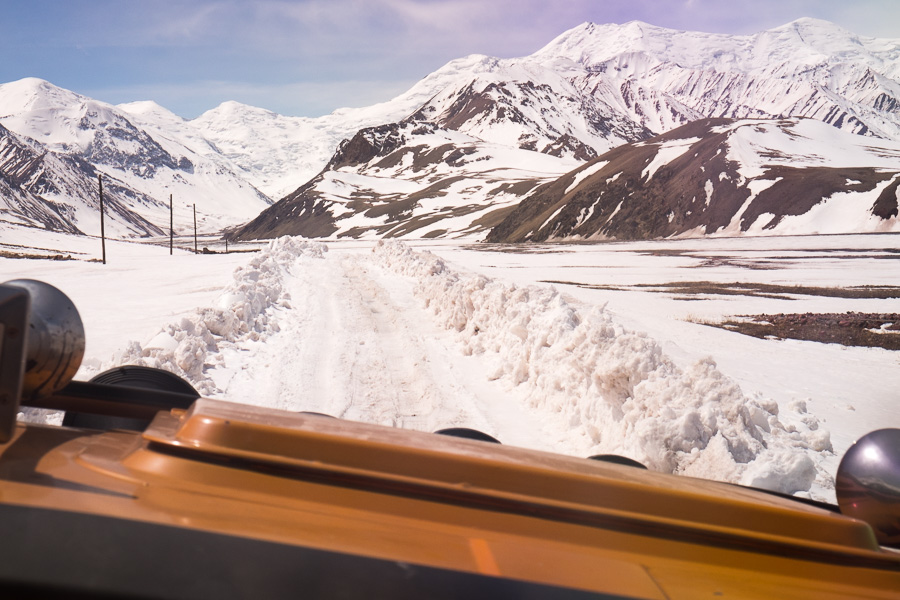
{"x": 355, "y": 343}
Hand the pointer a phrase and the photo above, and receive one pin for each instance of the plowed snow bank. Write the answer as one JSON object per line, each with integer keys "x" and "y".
{"x": 244, "y": 311}
{"x": 615, "y": 385}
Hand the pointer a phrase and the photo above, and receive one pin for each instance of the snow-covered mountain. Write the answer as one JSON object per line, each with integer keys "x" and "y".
{"x": 807, "y": 68}
{"x": 524, "y": 104}
{"x": 60, "y": 192}
{"x": 409, "y": 179}
{"x": 149, "y": 152}
{"x": 605, "y": 84}
{"x": 591, "y": 90}
{"x": 278, "y": 154}
{"x": 594, "y": 88}
{"x": 720, "y": 177}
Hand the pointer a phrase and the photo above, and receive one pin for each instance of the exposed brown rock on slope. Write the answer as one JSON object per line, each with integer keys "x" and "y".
{"x": 700, "y": 190}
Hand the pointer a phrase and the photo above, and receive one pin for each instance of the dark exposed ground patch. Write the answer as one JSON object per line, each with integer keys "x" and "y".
{"x": 775, "y": 261}
{"x": 771, "y": 290}
{"x": 394, "y": 210}
{"x": 490, "y": 219}
{"x": 693, "y": 289}
{"x": 8, "y": 254}
{"x": 847, "y": 329}
{"x": 766, "y": 263}
{"x": 516, "y": 188}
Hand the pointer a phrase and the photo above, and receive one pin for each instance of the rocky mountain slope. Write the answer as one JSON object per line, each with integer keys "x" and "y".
{"x": 146, "y": 152}
{"x": 409, "y": 179}
{"x": 720, "y": 177}
{"x": 60, "y": 192}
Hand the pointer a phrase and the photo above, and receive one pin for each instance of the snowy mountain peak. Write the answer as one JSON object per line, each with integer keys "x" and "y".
{"x": 33, "y": 92}
{"x": 802, "y": 41}
{"x": 148, "y": 109}
{"x": 810, "y": 29}
{"x": 145, "y": 153}
{"x": 231, "y": 108}
{"x": 590, "y": 44}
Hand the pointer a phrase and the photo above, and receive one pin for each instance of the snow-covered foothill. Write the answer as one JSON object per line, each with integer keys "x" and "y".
{"x": 616, "y": 386}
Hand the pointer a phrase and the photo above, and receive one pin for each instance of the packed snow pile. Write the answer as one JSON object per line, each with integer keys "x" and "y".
{"x": 617, "y": 386}
{"x": 244, "y": 311}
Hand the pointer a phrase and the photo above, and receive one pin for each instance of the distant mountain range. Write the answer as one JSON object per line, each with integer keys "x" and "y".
{"x": 144, "y": 153}
{"x": 610, "y": 131}
{"x": 37, "y": 188}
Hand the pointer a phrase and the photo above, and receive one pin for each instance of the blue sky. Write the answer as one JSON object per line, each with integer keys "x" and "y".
{"x": 309, "y": 57}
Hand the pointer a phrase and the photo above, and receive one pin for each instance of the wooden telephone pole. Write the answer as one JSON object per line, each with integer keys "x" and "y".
{"x": 171, "y": 226}
{"x": 102, "y": 229}
{"x": 195, "y": 229}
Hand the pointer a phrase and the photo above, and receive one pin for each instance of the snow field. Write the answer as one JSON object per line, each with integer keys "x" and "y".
{"x": 400, "y": 337}
{"x": 616, "y": 386}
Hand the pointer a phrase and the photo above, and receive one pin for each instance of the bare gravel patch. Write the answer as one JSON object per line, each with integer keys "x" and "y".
{"x": 875, "y": 330}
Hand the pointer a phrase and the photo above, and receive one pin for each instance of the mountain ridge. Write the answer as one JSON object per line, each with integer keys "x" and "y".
{"x": 590, "y": 90}
{"x": 141, "y": 149}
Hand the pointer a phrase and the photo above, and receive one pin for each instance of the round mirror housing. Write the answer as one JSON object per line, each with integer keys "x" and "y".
{"x": 55, "y": 340}
{"x": 868, "y": 484}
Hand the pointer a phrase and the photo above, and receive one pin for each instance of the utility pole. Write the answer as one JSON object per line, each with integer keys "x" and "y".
{"x": 102, "y": 229}
{"x": 171, "y": 225}
{"x": 195, "y": 229}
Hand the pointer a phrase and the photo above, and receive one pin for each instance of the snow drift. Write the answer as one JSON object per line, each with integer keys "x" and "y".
{"x": 616, "y": 386}
{"x": 245, "y": 311}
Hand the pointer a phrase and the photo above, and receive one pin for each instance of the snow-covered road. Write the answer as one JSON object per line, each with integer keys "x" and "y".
{"x": 467, "y": 335}
{"x": 399, "y": 337}
{"x": 355, "y": 343}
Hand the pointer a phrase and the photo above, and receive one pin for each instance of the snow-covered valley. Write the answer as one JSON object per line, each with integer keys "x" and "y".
{"x": 433, "y": 334}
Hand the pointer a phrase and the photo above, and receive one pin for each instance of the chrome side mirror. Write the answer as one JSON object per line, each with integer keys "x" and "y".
{"x": 41, "y": 345}
{"x": 868, "y": 484}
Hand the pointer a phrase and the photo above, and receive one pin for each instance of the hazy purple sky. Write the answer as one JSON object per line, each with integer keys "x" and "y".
{"x": 309, "y": 57}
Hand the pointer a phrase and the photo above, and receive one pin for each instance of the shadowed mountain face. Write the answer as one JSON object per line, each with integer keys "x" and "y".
{"x": 61, "y": 192}
{"x": 408, "y": 179}
{"x": 719, "y": 176}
